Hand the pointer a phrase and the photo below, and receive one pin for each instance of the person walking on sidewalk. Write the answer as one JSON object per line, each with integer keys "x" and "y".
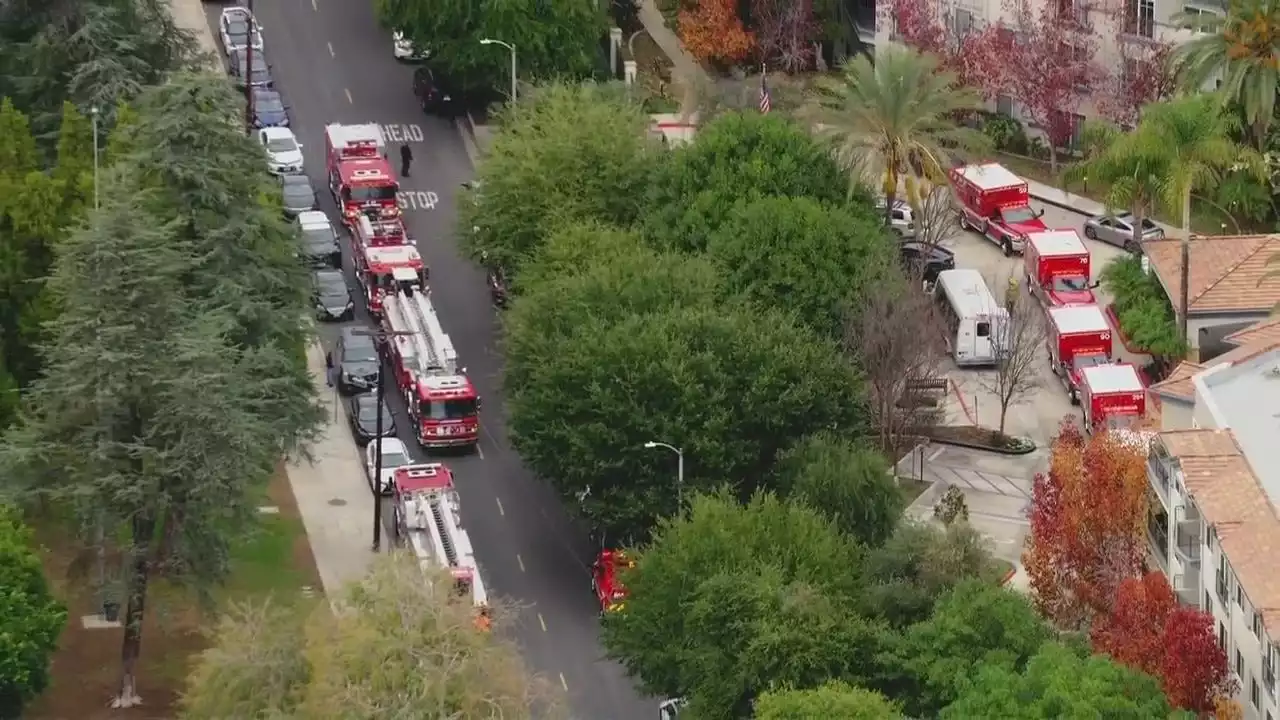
{"x": 406, "y": 158}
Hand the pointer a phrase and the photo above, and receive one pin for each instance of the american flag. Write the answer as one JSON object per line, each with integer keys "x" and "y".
{"x": 765, "y": 102}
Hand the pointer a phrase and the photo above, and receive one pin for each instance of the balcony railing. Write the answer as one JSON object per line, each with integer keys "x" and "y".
{"x": 1158, "y": 534}
{"x": 1188, "y": 545}
{"x": 1160, "y": 473}
{"x": 1187, "y": 586}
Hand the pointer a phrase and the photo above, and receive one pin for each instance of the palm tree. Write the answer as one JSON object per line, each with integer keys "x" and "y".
{"x": 1193, "y": 134}
{"x": 1133, "y": 172}
{"x": 1240, "y": 49}
{"x": 895, "y": 119}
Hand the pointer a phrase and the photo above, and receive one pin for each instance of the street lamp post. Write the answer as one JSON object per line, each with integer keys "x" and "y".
{"x": 679, "y": 468}
{"x": 512, "y": 48}
{"x": 380, "y": 336}
{"x": 93, "y": 113}
{"x": 248, "y": 82}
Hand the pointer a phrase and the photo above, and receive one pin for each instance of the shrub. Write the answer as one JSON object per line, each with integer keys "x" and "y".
{"x": 30, "y": 618}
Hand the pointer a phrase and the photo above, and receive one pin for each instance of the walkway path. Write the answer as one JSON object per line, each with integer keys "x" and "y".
{"x": 189, "y": 15}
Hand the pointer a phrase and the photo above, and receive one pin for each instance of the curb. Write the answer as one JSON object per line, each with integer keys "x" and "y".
{"x": 1110, "y": 312}
{"x": 1060, "y": 205}
{"x": 985, "y": 448}
{"x": 955, "y": 389}
{"x": 467, "y": 129}
{"x": 1008, "y": 576}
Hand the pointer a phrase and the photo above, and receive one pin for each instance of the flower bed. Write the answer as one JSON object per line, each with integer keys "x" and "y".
{"x": 980, "y": 438}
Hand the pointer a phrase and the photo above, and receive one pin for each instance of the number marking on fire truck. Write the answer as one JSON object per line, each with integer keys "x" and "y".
{"x": 417, "y": 200}
{"x": 401, "y": 133}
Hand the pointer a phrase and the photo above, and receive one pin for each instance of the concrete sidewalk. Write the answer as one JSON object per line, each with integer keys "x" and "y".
{"x": 189, "y": 15}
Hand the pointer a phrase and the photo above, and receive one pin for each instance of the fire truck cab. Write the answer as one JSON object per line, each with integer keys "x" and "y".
{"x": 605, "y": 583}
{"x": 388, "y": 269}
{"x": 443, "y": 404}
{"x": 1113, "y": 396}
{"x": 360, "y": 177}
{"x": 427, "y": 517}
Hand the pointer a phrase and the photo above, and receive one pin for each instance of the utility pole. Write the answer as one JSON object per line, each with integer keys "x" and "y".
{"x": 248, "y": 73}
{"x": 679, "y": 469}
{"x": 380, "y": 337}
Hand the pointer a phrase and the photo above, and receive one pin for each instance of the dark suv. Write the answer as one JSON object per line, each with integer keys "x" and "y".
{"x": 434, "y": 94}
{"x": 924, "y": 261}
{"x": 355, "y": 361}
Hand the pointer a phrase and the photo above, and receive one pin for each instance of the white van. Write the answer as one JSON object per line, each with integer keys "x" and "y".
{"x": 974, "y": 323}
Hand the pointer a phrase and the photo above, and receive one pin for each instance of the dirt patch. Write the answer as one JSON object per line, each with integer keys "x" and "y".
{"x": 911, "y": 489}
{"x": 86, "y": 667}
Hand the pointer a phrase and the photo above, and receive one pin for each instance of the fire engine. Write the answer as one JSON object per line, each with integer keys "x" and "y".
{"x": 382, "y": 270}
{"x": 360, "y": 176}
{"x": 443, "y": 403}
{"x": 369, "y": 232}
{"x": 427, "y": 517}
{"x": 1113, "y": 397}
{"x": 605, "y": 582}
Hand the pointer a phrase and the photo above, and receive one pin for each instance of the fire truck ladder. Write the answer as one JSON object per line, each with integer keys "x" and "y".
{"x": 446, "y": 542}
{"x": 432, "y": 348}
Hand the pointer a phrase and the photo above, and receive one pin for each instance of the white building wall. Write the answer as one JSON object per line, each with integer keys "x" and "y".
{"x": 1245, "y": 641}
{"x": 1175, "y": 414}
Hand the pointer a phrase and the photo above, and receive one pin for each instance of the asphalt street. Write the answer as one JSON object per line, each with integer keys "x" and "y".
{"x": 332, "y": 63}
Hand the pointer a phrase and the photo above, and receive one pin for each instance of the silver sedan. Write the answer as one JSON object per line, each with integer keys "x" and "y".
{"x": 1118, "y": 230}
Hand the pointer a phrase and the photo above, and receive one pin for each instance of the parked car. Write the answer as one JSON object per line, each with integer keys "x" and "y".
{"x": 925, "y": 261}
{"x": 284, "y": 153}
{"x": 394, "y": 455}
{"x": 269, "y": 109}
{"x": 319, "y": 241}
{"x": 435, "y": 96}
{"x": 362, "y": 410}
{"x": 405, "y": 51}
{"x": 903, "y": 222}
{"x": 235, "y": 25}
{"x": 297, "y": 193}
{"x": 1118, "y": 230}
{"x": 355, "y": 359}
{"x": 238, "y": 63}
{"x": 332, "y": 295}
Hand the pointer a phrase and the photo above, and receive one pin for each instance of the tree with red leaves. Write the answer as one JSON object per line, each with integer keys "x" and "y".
{"x": 712, "y": 31}
{"x": 1133, "y": 633}
{"x": 1049, "y": 65}
{"x": 1195, "y": 668}
{"x": 1143, "y": 76}
{"x": 785, "y": 33}
{"x": 975, "y": 55}
{"x": 1087, "y": 517}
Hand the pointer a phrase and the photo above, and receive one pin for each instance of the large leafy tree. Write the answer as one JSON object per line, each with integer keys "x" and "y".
{"x": 758, "y": 595}
{"x": 553, "y": 38}
{"x": 802, "y": 255}
{"x": 736, "y": 156}
{"x": 731, "y": 386}
{"x": 567, "y": 153}
{"x": 1134, "y": 173}
{"x": 847, "y": 481}
{"x": 30, "y": 618}
{"x": 399, "y": 643}
{"x": 1060, "y": 683}
{"x": 895, "y": 119}
{"x": 1133, "y": 632}
{"x": 832, "y": 700}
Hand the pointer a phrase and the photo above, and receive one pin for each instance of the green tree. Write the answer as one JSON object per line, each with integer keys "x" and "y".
{"x": 30, "y": 618}
{"x": 732, "y": 387}
{"x": 399, "y": 644}
{"x": 759, "y": 595}
{"x": 798, "y": 254}
{"x": 1133, "y": 172}
{"x": 976, "y": 624}
{"x": 832, "y": 700}
{"x": 74, "y": 170}
{"x": 736, "y": 156}
{"x": 918, "y": 565}
{"x": 553, "y": 38}
{"x": 848, "y": 481}
{"x": 567, "y": 153}
{"x": 1060, "y": 683}
{"x": 895, "y": 119}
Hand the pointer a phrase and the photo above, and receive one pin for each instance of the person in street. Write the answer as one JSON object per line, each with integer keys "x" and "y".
{"x": 328, "y": 369}
{"x": 406, "y": 158}
{"x": 1011, "y": 293}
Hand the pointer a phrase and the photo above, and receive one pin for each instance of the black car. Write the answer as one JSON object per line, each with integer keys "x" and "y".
{"x": 332, "y": 296}
{"x": 268, "y": 108}
{"x": 238, "y": 61}
{"x": 297, "y": 194}
{"x": 355, "y": 360}
{"x": 319, "y": 241}
{"x": 435, "y": 95}
{"x": 363, "y": 411}
{"x": 924, "y": 261}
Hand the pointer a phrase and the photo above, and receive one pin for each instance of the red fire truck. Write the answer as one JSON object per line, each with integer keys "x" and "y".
{"x": 1057, "y": 265}
{"x": 386, "y": 269}
{"x": 605, "y": 582}
{"x": 443, "y": 404}
{"x": 1079, "y": 337}
{"x": 369, "y": 232}
{"x": 995, "y": 202}
{"x": 1113, "y": 397}
{"x": 360, "y": 177}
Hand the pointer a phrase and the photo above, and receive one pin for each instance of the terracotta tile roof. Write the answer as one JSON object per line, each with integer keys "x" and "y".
{"x": 1266, "y": 331}
{"x": 1230, "y": 498}
{"x": 1178, "y": 384}
{"x": 1226, "y": 272}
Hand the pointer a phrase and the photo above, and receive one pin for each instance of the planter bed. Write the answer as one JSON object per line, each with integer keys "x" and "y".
{"x": 972, "y": 436}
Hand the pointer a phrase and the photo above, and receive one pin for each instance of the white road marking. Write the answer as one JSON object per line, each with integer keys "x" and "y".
{"x": 521, "y": 561}
{"x": 564, "y": 684}
{"x": 331, "y": 52}
{"x": 479, "y": 451}
{"x": 542, "y": 622}
{"x": 313, "y": 6}
{"x": 348, "y": 92}
{"x": 500, "y": 510}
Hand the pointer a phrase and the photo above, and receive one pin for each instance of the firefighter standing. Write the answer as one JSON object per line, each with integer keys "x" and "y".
{"x": 406, "y": 158}
{"x": 1011, "y": 293}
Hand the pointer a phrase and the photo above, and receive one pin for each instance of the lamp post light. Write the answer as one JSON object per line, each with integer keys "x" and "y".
{"x": 679, "y": 468}
{"x": 380, "y": 337}
{"x": 93, "y": 114}
{"x": 512, "y": 48}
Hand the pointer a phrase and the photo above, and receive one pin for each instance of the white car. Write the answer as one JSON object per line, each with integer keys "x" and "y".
{"x": 235, "y": 25}
{"x": 394, "y": 455}
{"x": 284, "y": 153}
{"x": 903, "y": 223}
{"x": 404, "y": 49}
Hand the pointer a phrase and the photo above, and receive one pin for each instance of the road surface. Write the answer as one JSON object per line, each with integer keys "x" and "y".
{"x": 333, "y": 63}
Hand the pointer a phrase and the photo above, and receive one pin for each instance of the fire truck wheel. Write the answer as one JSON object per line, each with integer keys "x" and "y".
{"x": 1007, "y": 247}
{"x": 1075, "y": 398}
{"x": 964, "y": 222}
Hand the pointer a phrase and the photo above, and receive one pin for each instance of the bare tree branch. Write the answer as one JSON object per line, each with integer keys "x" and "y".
{"x": 936, "y": 216}
{"x": 1021, "y": 338}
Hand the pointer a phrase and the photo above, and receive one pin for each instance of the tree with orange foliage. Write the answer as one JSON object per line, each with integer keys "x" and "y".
{"x": 1133, "y": 633}
{"x": 1195, "y": 668}
{"x": 1087, "y": 518}
{"x": 1225, "y": 708}
{"x": 712, "y": 31}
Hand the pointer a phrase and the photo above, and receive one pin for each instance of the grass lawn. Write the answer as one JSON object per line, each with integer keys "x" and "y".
{"x": 86, "y": 667}
{"x": 911, "y": 489}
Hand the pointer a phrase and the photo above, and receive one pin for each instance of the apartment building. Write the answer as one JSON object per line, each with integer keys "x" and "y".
{"x": 1215, "y": 485}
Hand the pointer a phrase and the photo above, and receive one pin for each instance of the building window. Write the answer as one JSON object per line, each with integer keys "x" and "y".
{"x": 1257, "y": 624}
{"x": 1239, "y": 663}
{"x": 1222, "y": 636}
{"x": 1208, "y": 601}
{"x": 1140, "y": 18}
{"x": 961, "y": 21}
{"x": 1004, "y": 105}
{"x": 1239, "y": 596}
{"x": 1253, "y": 691}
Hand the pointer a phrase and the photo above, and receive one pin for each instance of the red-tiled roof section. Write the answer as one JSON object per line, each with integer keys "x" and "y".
{"x": 1228, "y": 273}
